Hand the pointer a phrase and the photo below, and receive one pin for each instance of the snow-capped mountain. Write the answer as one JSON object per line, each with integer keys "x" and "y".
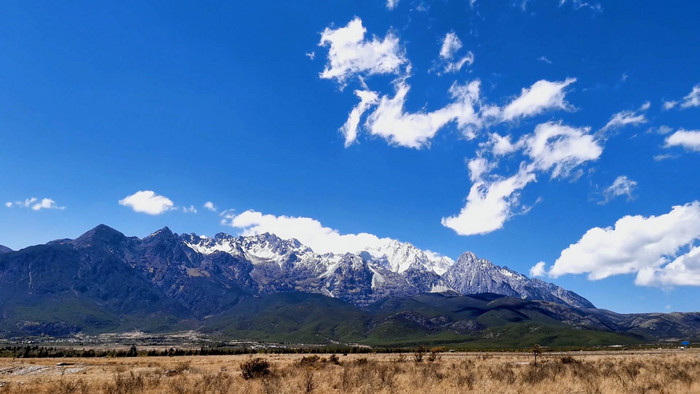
{"x": 203, "y": 276}
{"x": 392, "y": 269}
{"x": 104, "y": 280}
{"x": 472, "y": 275}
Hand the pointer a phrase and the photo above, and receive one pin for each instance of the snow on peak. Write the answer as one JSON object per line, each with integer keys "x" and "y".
{"x": 391, "y": 254}
{"x": 400, "y": 256}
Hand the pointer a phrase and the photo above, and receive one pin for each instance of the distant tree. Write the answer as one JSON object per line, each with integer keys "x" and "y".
{"x": 133, "y": 352}
{"x": 536, "y": 351}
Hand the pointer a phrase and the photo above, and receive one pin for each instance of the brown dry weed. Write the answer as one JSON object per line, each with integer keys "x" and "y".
{"x": 670, "y": 371}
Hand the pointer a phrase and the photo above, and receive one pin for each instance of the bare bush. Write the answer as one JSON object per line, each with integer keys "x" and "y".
{"x": 255, "y": 368}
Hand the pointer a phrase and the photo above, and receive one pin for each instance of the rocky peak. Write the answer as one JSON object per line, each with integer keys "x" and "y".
{"x": 100, "y": 235}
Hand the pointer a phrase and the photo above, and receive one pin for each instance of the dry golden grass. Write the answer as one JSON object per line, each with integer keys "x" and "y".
{"x": 647, "y": 372}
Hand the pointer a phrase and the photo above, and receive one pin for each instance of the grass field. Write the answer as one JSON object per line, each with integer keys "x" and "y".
{"x": 662, "y": 371}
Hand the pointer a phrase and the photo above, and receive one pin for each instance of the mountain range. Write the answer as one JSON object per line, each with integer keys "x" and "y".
{"x": 266, "y": 288}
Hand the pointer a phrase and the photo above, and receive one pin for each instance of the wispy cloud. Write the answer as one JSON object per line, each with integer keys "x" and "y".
{"x": 627, "y": 118}
{"x": 621, "y": 186}
{"x": 209, "y": 206}
{"x": 190, "y": 209}
{"x": 692, "y": 99}
{"x": 34, "y": 204}
{"x": 450, "y": 63}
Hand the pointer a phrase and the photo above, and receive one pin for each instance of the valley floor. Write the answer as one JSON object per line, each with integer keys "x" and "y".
{"x": 663, "y": 371}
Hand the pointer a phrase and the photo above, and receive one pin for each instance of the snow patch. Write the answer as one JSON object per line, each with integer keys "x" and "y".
{"x": 439, "y": 289}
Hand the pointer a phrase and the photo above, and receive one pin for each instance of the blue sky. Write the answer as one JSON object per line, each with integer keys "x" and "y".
{"x": 558, "y": 138}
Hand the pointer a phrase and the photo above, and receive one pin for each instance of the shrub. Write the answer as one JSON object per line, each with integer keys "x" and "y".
{"x": 255, "y": 368}
{"x": 419, "y": 353}
{"x": 569, "y": 360}
{"x": 435, "y": 354}
{"x": 309, "y": 361}
{"x": 362, "y": 361}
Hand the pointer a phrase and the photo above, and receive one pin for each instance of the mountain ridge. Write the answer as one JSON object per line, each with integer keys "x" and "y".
{"x": 106, "y": 281}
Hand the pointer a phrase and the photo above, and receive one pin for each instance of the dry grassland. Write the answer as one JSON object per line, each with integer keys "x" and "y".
{"x": 672, "y": 371}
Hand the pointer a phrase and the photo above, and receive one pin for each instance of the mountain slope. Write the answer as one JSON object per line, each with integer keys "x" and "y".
{"x": 68, "y": 286}
{"x": 486, "y": 320}
{"x": 4, "y": 249}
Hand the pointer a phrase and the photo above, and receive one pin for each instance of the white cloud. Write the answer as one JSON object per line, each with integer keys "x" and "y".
{"x": 625, "y": 118}
{"x": 670, "y": 104}
{"x": 489, "y": 204}
{"x": 210, "y": 206}
{"x": 658, "y": 249}
{"x": 45, "y": 203}
{"x": 561, "y": 148}
{"x": 27, "y": 203}
{"x": 538, "y": 269}
{"x": 578, "y": 4}
{"x": 414, "y": 130}
{"x": 450, "y": 45}
{"x": 683, "y": 271}
{"x": 544, "y": 59}
{"x": 349, "y": 129}
{"x": 227, "y": 217}
{"x": 453, "y": 67}
{"x": 664, "y": 157}
{"x": 190, "y": 209}
{"x": 391, "y": 4}
{"x": 502, "y": 145}
{"x": 692, "y": 99}
{"x": 309, "y": 232}
{"x": 478, "y": 167}
{"x": 663, "y": 129}
{"x": 622, "y": 186}
{"x": 349, "y": 54}
{"x": 492, "y": 199}
{"x": 688, "y": 139}
{"x": 148, "y": 202}
{"x": 35, "y": 204}
{"x": 541, "y": 96}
